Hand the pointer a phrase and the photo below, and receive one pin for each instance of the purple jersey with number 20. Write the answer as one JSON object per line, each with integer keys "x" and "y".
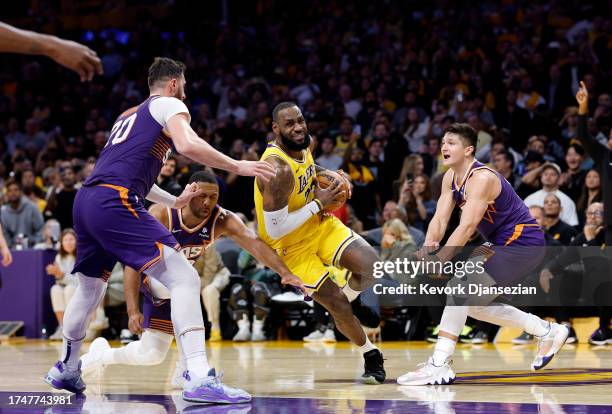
{"x": 110, "y": 219}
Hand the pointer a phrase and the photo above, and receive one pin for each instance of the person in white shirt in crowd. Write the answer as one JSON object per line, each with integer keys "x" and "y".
{"x": 550, "y": 177}
{"x": 51, "y": 236}
{"x": 65, "y": 282}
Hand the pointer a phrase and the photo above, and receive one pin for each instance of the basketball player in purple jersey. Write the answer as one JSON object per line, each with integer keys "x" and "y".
{"x": 112, "y": 225}
{"x": 196, "y": 226}
{"x": 489, "y": 205}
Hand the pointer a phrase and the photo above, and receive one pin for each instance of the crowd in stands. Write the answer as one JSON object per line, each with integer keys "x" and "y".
{"x": 377, "y": 85}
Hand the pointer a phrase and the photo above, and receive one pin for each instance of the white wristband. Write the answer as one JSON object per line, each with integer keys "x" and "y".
{"x": 159, "y": 196}
{"x": 280, "y": 223}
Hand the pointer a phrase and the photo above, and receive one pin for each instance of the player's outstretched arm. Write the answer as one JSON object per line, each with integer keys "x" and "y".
{"x": 235, "y": 229}
{"x": 482, "y": 186}
{"x": 188, "y": 143}
{"x": 7, "y": 258}
{"x": 131, "y": 284}
{"x": 444, "y": 209}
{"x": 72, "y": 55}
{"x": 157, "y": 195}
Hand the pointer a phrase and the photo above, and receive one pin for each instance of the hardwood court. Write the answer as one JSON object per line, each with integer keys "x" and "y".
{"x": 323, "y": 378}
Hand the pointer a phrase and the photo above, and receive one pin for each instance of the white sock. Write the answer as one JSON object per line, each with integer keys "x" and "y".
{"x": 367, "y": 347}
{"x": 509, "y": 316}
{"x": 192, "y": 343}
{"x": 536, "y": 326}
{"x": 444, "y": 349}
{"x": 70, "y": 353}
{"x": 350, "y": 293}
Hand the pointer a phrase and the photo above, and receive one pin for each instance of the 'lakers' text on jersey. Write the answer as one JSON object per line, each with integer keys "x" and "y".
{"x": 304, "y": 184}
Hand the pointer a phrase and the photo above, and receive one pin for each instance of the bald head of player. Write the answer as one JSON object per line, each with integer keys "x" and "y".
{"x": 459, "y": 144}
{"x": 289, "y": 126}
{"x": 202, "y": 205}
{"x": 167, "y": 78}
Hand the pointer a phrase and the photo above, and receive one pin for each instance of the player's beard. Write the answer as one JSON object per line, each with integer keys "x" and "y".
{"x": 294, "y": 146}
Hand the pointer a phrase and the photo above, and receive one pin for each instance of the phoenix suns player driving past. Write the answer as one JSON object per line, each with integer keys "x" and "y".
{"x": 292, "y": 220}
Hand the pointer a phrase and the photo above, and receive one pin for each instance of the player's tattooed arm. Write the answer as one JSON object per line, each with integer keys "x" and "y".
{"x": 160, "y": 213}
{"x": 276, "y": 191}
{"x": 131, "y": 284}
{"x": 232, "y": 227}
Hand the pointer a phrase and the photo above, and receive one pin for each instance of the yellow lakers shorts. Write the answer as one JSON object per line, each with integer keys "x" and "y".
{"x": 310, "y": 259}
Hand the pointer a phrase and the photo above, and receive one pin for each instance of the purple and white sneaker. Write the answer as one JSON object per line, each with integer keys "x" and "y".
{"x": 210, "y": 390}
{"x": 60, "y": 378}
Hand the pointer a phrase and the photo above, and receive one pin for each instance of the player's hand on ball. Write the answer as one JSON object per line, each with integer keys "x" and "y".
{"x": 331, "y": 195}
{"x": 135, "y": 323}
{"x": 259, "y": 169}
{"x": 347, "y": 179}
{"x": 192, "y": 190}
{"x": 293, "y": 280}
{"x": 545, "y": 278}
{"x": 7, "y": 258}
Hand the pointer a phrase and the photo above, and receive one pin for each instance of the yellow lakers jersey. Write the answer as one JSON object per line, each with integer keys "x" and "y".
{"x": 302, "y": 193}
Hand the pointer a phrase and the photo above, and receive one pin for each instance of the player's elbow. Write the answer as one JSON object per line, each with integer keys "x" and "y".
{"x": 275, "y": 232}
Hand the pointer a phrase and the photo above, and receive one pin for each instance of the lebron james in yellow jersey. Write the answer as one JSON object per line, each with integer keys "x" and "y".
{"x": 291, "y": 220}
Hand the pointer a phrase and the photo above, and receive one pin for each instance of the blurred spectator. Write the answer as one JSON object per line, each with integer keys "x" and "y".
{"x": 65, "y": 282}
{"x": 328, "y": 159}
{"x": 214, "y": 278}
{"x": 166, "y": 180}
{"x": 572, "y": 180}
{"x": 61, "y": 200}
{"x": 415, "y": 197}
{"x": 553, "y": 225}
{"x": 550, "y": 176}
{"x": 591, "y": 193}
{"x": 22, "y": 222}
{"x": 503, "y": 162}
{"x": 50, "y": 236}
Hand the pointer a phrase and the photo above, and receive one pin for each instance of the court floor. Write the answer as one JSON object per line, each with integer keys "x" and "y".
{"x": 292, "y": 377}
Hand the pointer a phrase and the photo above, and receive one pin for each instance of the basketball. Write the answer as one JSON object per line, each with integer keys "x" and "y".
{"x": 327, "y": 178}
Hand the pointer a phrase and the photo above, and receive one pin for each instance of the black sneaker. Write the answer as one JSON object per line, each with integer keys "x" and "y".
{"x": 480, "y": 338}
{"x": 374, "y": 370}
{"x": 601, "y": 337}
{"x": 432, "y": 334}
{"x": 523, "y": 339}
{"x": 467, "y": 334}
{"x": 571, "y": 338}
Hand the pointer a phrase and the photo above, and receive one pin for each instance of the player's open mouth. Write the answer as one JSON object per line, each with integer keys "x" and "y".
{"x": 446, "y": 156}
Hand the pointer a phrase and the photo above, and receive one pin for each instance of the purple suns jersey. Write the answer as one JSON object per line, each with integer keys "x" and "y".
{"x": 135, "y": 151}
{"x": 507, "y": 219}
{"x": 193, "y": 241}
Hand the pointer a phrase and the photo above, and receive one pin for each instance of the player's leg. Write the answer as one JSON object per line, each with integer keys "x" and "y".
{"x": 66, "y": 373}
{"x": 181, "y": 279}
{"x": 331, "y": 298}
{"x": 550, "y": 336}
{"x": 437, "y": 370}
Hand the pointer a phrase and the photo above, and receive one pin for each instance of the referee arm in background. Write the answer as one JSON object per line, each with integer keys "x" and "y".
{"x": 600, "y": 155}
